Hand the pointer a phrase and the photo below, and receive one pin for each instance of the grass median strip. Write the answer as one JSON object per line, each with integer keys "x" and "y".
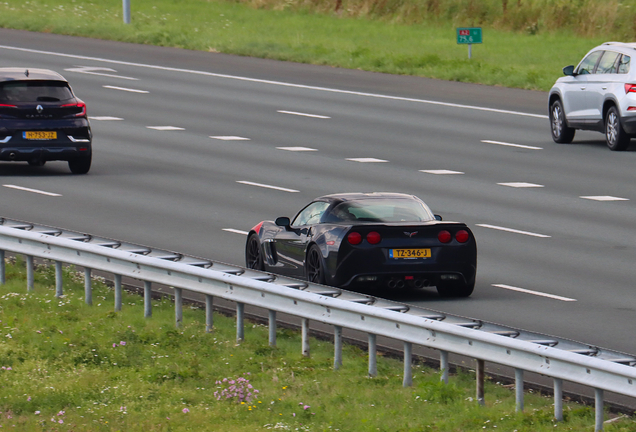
{"x": 68, "y": 366}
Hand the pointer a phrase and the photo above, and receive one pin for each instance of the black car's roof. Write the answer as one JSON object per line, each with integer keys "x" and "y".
{"x": 360, "y": 196}
{"x": 28, "y": 74}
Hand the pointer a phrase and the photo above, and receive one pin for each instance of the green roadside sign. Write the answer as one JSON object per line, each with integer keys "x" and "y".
{"x": 469, "y": 35}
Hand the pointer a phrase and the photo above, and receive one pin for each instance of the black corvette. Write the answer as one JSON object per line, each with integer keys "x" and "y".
{"x": 359, "y": 240}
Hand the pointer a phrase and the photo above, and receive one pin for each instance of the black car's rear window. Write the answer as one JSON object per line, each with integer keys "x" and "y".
{"x": 34, "y": 91}
{"x": 380, "y": 210}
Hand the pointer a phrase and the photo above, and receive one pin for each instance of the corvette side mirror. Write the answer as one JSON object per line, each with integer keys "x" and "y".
{"x": 438, "y": 217}
{"x": 282, "y": 221}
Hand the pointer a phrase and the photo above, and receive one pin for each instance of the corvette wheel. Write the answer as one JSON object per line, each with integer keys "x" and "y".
{"x": 615, "y": 136}
{"x": 561, "y": 133}
{"x": 456, "y": 289}
{"x": 314, "y": 266}
{"x": 253, "y": 253}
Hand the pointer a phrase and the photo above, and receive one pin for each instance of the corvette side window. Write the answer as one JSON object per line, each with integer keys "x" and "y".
{"x": 588, "y": 63}
{"x": 608, "y": 63}
{"x": 623, "y": 64}
{"x": 311, "y": 214}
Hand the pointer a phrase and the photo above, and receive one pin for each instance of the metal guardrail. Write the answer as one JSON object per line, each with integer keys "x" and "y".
{"x": 561, "y": 359}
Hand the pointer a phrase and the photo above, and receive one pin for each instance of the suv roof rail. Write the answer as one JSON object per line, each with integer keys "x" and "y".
{"x": 625, "y": 44}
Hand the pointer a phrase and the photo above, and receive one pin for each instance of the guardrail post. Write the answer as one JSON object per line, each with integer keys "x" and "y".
{"x": 272, "y": 328}
{"x": 178, "y": 306}
{"x": 519, "y": 389}
{"x": 480, "y": 381}
{"x": 209, "y": 318}
{"x": 147, "y": 299}
{"x": 3, "y": 279}
{"x": 305, "y": 337}
{"x": 59, "y": 285}
{"x": 118, "y": 293}
{"x": 443, "y": 365}
{"x": 88, "y": 289}
{"x": 30, "y": 273}
{"x": 598, "y": 402}
{"x": 337, "y": 347}
{"x": 373, "y": 361}
{"x": 408, "y": 371}
{"x": 240, "y": 329}
{"x": 558, "y": 399}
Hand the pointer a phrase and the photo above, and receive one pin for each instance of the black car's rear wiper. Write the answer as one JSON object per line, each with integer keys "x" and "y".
{"x": 47, "y": 99}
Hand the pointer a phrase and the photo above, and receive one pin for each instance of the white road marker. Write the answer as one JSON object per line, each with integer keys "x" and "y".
{"x": 37, "y": 191}
{"x": 521, "y": 185}
{"x": 105, "y": 118}
{"x": 267, "y": 186}
{"x": 229, "y": 138}
{"x": 366, "y": 160}
{"x": 235, "y": 231}
{"x": 528, "y": 233}
{"x": 303, "y": 114}
{"x": 166, "y": 128}
{"x": 276, "y": 83}
{"x": 125, "y": 89}
{"x": 297, "y": 149}
{"x": 537, "y": 293}
{"x": 90, "y": 70}
{"x": 604, "y": 198}
{"x": 441, "y": 172}
{"x": 512, "y": 145}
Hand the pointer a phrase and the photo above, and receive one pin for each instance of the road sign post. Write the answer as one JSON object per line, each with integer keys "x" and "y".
{"x": 469, "y": 36}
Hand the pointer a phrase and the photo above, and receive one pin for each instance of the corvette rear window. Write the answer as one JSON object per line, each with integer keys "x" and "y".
{"x": 34, "y": 91}
{"x": 380, "y": 210}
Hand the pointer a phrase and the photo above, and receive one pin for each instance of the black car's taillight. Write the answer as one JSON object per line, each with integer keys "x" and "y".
{"x": 81, "y": 109}
{"x": 354, "y": 238}
{"x": 462, "y": 236}
{"x": 444, "y": 236}
{"x": 374, "y": 237}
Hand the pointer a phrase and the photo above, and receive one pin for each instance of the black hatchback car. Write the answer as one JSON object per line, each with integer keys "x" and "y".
{"x": 42, "y": 120}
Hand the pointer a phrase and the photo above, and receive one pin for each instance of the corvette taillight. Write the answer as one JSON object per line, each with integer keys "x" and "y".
{"x": 80, "y": 105}
{"x": 354, "y": 238}
{"x": 630, "y": 88}
{"x": 444, "y": 236}
{"x": 462, "y": 236}
{"x": 374, "y": 237}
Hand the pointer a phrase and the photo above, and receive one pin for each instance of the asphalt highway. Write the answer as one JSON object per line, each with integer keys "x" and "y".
{"x": 192, "y": 149}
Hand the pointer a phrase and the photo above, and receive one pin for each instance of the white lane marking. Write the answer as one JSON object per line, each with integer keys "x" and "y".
{"x": 278, "y": 83}
{"x": 91, "y": 70}
{"x": 441, "y": 172}
{"x": 125, "y": 89}
{"x": 528, "y": 233}
{"x": 267, "y": 186}
{"x": 297, "y": 149}
{"x": 604, "y": 198}
{"x": 235, "y": 231}
{"x": 105, "y": 118}
{"x": 366, "y": 160}
{"x": 537, "y": 293}
{"x": 512, "y": 145}
{"x": 230, "y": 138}
{"x": 37, "y": 191}
{"x": 166, "y": 128}
{"x": 521, "y": 185}
{"x": 303, "y": 114}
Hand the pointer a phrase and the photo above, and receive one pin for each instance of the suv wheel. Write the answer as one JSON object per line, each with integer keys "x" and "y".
{"x": 615, "y": 136}
{"x": 561, "y": 132}
{"x": 80, "y": 165}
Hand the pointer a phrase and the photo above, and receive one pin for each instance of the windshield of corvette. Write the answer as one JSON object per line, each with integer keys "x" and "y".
{"x": 34, "y": 91}
{"x": 380, "y": 210}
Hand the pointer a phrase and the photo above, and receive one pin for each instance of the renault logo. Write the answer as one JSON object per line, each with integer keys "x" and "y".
{"x": 39, "y": 109}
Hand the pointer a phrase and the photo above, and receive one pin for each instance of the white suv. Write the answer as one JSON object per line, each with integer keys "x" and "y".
{"x": 599, "y": 94}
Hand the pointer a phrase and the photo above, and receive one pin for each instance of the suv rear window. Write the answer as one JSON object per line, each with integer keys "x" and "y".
{"x": 34, "y": 91}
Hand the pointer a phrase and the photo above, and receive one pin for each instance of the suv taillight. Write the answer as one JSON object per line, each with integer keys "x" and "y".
{"x": 630, "y": 88}
{"x": 80, "y": 105}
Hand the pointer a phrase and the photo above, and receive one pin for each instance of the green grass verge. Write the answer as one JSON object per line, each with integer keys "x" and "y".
{"x": 65, "y": 365}
{"x": 510, "y": 59}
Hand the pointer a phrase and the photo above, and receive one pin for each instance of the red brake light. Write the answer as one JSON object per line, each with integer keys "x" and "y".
{"x": 462, "y": 236}
{"x": 8, "y": 106}
{"x": 630, "y": 88}
{"x": 444, "y": 236}
{"x": 374, "y": 237}
{"x": 354, "y": 238}
{"x": 80, "y": 105}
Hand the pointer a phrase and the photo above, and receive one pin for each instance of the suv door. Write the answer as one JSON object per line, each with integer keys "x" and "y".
{"x": 602, "y": 85}
{"x": 575, "y": 101}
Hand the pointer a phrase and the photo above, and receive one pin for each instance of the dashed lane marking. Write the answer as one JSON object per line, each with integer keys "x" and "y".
{"x": 604, "y": 198}
{"x": 105, "y": 118}
{"x": 537, "y": 293}
{"x": 297, "y": 149}
{"x": 521, "y": 185}
{"x": 441, "y": 172}
{"x": 37, "y": 191}
{"x": 249, "y": 183}
{"x": 235, "y": 231}
{"x": 528, "y": 233}
{"x": 512, "y": 145}
{"x": 166, "y": 128}
{"x": 91, "y": 70}
{"x": 125, "y": 89}
{"x": 366, "y": 160}
{"x": 229, "y": 138}
{"x": 303, "y": 114}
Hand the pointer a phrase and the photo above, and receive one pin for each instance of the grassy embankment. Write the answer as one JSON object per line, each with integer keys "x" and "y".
{"x": 526, "y": 42}
{"x": 68, "y": 366}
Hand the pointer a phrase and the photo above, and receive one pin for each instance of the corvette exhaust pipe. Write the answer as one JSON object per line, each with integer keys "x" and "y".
{"x": 391, "y": 283}
{"x": 12, "y": 155}
{"x": 399, "y": 284}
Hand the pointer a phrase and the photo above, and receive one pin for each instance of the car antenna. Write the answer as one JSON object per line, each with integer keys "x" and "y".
{"x": 26, "y": 73}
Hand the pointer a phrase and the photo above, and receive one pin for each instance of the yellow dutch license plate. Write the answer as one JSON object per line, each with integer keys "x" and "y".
{"x": 40, "y": 135}
{"x": 409, "y": 253}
